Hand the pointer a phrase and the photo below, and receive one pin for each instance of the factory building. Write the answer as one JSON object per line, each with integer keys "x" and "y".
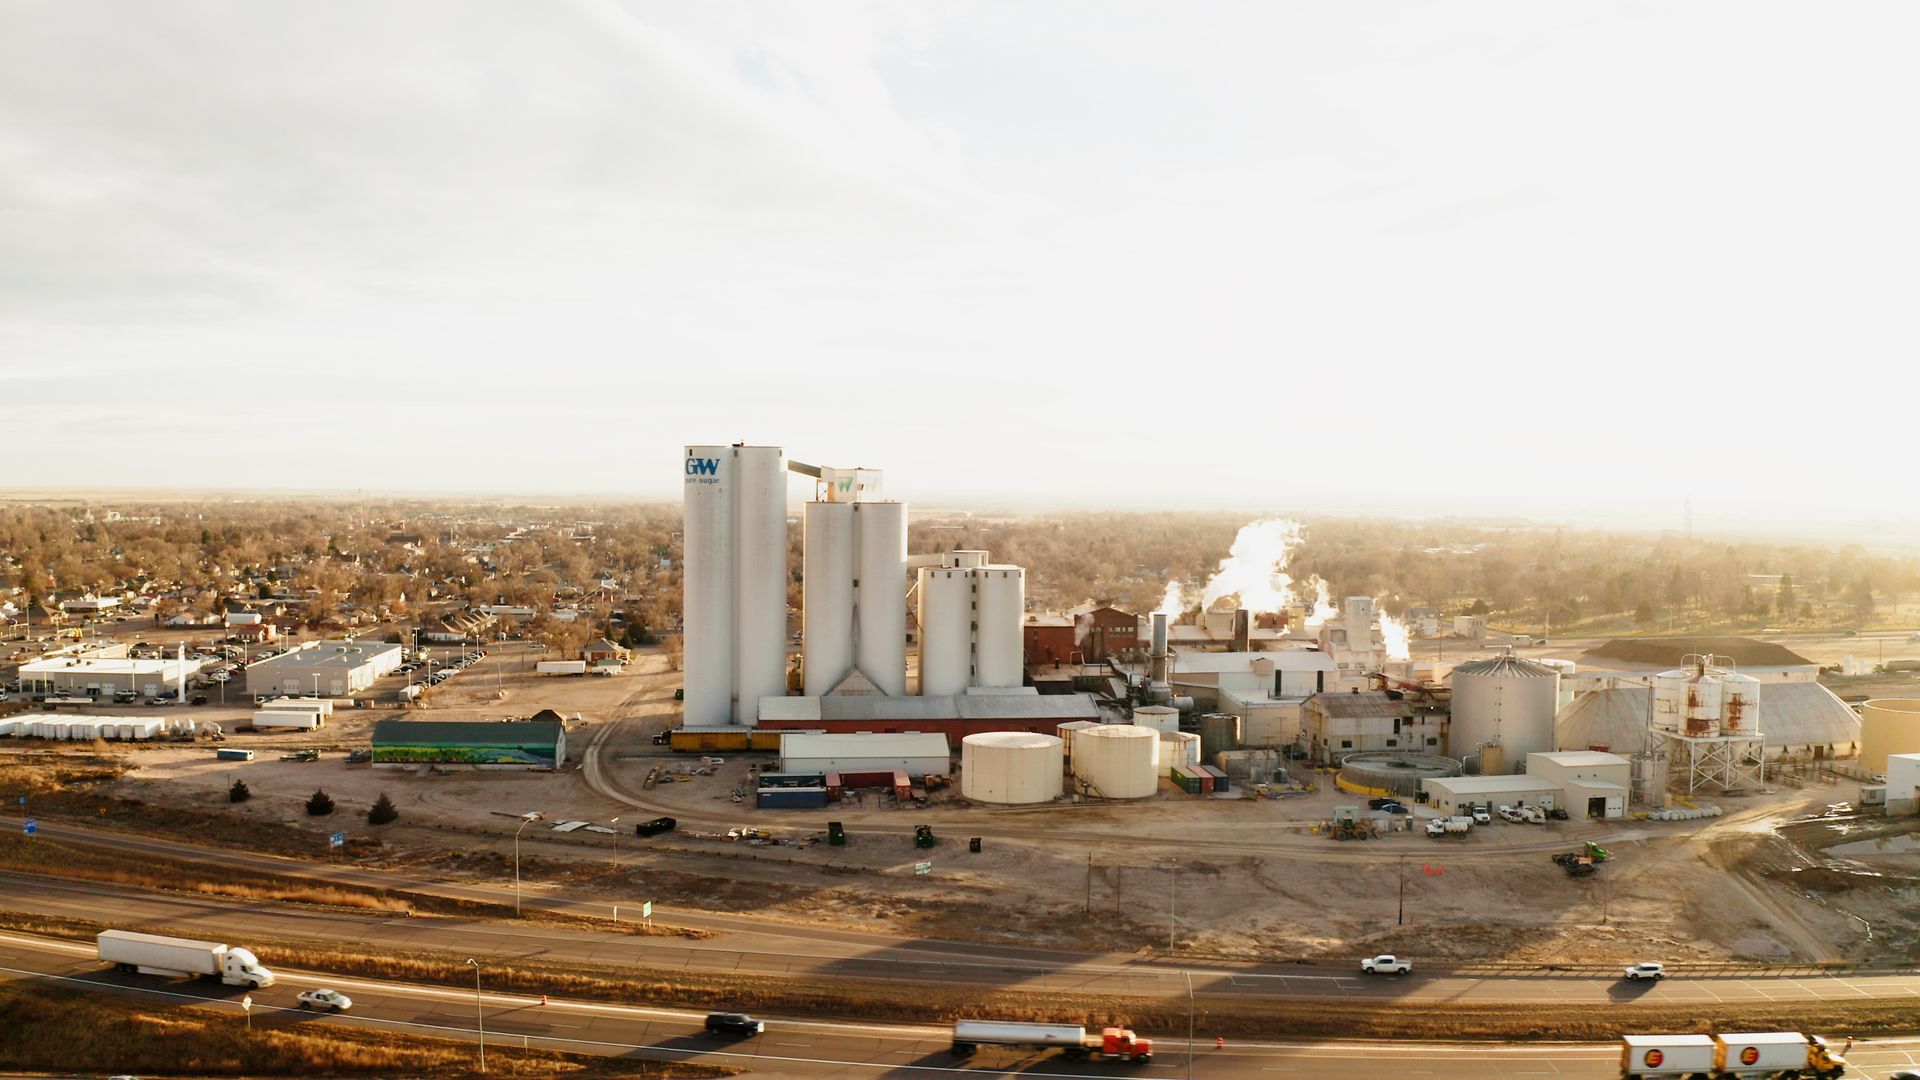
{"x": 105, "y": 672}
{"x": 735, "y": 581}
{"x": 954, "y": 716}
{"x": 324, "y": 668}
{"x": 1050, "y": 640}
{"x": 1228, "y": 630}
{"x": 915, "y": 753}
{"x": 1592, "y": 784}
{"x": 1365, "y": 721}
{"x": 1266, "y": 689}
{"x": 482, "y": 744}
{"x": 1457, "y": 795}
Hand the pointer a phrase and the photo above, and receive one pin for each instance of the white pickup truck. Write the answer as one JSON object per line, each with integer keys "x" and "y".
{"x": 1386, "y": 964}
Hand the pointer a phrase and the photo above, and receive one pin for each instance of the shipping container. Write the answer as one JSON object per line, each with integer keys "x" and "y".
{"x": 1219, "y": 777}
{"x": 787, "y": 798}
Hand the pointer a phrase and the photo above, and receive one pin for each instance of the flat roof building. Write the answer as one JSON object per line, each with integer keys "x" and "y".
{"x": 81, "y": 676}
{"x": 329, "y": 668}
{"x": 955, "y": 716}
{"x": 1453, "y": 795}
{"x": 476, "y": 744}
{"x": 1593, "y": 784}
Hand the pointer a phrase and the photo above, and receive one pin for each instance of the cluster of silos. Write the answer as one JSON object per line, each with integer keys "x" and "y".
{"x": 1116, "y": 761}
{"x": 1503, "y": 710}
{"x": 1011, "y": 767}
{"x": 971, "y": 615}
{"x": 1702, "y": 702}
{"x": 855, "y": 610}
{"x": 734, "y": 575}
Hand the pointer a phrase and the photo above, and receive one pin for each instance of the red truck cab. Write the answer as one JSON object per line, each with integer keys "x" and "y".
{"x": 1123, "y": 1043}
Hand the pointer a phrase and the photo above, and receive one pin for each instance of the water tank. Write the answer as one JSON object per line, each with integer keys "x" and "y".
{"x": 827, "y": 599}
{"x": 946, "y": 630}
{"x": 1117, "y": 761}
{"x": 1177, "y": 748}
{"x": 1739, "y": 704}
{"x": 1888, "y": 726}
{"x": 1066, "y": 730}
{"x": 1670, "y": 700}
{"x": 1505, "y": 700}
{"x": 1218, "y": 731}
{"x": 1010, "y": 767}
{"x": 880, "y": 649}
{"x": 1000, "y": 598}
{"x": 1157, "y": 717}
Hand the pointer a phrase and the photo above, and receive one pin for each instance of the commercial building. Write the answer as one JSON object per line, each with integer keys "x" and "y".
{"x": 954, "y": 716}
{"x": 481, "y": 744}
{"x": 1592, "y": 784}
{"x": 330, "y": 668}
{"x": 1102, "y": 631}
{"x": 1903, "y": 783}
{"x": 914, "y": 753}
{"x": 105, "y": 673}
{"x": 1452, "y": 795}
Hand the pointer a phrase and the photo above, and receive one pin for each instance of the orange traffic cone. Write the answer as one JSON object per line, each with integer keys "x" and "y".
{"x": 1219, "y": 1042}
{"x": 543, "y": 999}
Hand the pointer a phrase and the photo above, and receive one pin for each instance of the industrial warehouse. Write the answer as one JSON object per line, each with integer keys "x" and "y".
{"x": 330, "y": 668}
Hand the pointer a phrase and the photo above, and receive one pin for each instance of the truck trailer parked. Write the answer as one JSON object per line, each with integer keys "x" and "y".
{"x": 1743, "y": 1055}
{"x": 561, "y": 667}
{"x": 1113, "y": 1042}
{"x": 154, "y": 954}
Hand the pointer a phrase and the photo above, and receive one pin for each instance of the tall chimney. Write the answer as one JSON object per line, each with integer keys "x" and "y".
{"x": 1242, "y": 631}
{"x": 1157, "y": 658}
{"x": 180, "y": 673}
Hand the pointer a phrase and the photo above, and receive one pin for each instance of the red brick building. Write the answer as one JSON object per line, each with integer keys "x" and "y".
{"x": 1049, "y": 640}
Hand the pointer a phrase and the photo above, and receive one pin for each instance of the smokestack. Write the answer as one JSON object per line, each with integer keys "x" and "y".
{"x": 1157, "y": 659}
{"x": 1242, "y": 631}
{"x": 180, "y": 674}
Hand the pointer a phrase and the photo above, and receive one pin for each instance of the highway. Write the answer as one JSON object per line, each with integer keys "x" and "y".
{"x": 821, "y": 1048}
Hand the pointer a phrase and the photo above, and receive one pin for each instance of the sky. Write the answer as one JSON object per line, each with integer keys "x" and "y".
{"x": 1548, "y": 259}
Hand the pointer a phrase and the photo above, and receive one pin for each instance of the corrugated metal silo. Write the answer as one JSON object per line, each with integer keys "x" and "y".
{"x": 1506, "y": 700}
{"x": 827, "y": 599}
{"x": 1739, "y": 704}
{"x": 1117, "y": 761}
{"x": 1010, "y": 767}
{"x": 880, "y": 651}
{"x": 1000, "y": 601}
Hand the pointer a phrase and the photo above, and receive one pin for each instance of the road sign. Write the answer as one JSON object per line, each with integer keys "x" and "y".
{"x": 338, "y": 839}
{"x": 23, "y": 800}
{"x": 923, "y": 868}
{"x": 30, "y": 826}
{"x": 646, "y": 910}
{"x": 247, "y": 1002}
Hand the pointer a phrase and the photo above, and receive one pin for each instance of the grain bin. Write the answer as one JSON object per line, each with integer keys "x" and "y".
{"x": 1178, "y": 748}
{"x": 1157, "y": 717}
{"x": 1888, "y": 726}
{"x": 1739, "y": 704}
{"x": 1218, "y": 731}
{"x": 1010, "y": 767}
{"x": 1116, "y": 761}
{"x": 1505, "y": 700}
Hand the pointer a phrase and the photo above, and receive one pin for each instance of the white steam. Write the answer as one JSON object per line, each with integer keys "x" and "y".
{"x": 1255, "y": 567}
{"x": 1170, "y": 602}
{"x": 1323, "y": 609}
{"x": 1394, "y": 638}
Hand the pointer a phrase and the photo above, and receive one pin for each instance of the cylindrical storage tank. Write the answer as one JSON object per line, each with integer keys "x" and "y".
{"x": 760, "y": 592}
{"x": 1066, "y": 730}
{"x": 1396, "y": 773}
{"x": 1010, "y": 767}
{"x": 1739, "y": 704}
{"x": 1218, "y": 731}
{"x": 1178, "y": 748}
{"x": 706, "y": 574}
{"x": 1670, "y": 700}
{"x": 827, "y": 597}
{"x": 1157, "y": 717}
{"x": 1704, "y": 691}
{"x": 1505, "y": 700}
{"x": 1888, "y": 726}
{"x": 880, "y": 647}
{"x": 1000, "y": 595}
{"x": 1117, "y": 761}
{"x": 946, "y": 630}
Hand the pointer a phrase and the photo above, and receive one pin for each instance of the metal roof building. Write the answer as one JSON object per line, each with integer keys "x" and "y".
{"x": 914, "y": 753}
{"x": 1801, "y": 719}
{"x": 104, "y": 674}
{"x": 332, "y": 668}
{"x": 478, "y": 744}
{"x": 955, "y": 716}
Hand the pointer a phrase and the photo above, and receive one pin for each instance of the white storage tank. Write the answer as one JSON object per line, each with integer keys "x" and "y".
{"x": 1888, "y": 726}
{"x": 1505, "y": 700}
{"x": 826, "y": 619}
{"x": 1177, "y": 748}
{"x": 880, "y": 650}
{"x": 1000, "y": 596}
{"x": 1066, "y": 730}
{"x": 1157, "y": 717}
{"x": 946, "y": 630}
{"x": 1739, "y": 704}
{"x": 1117, "y": 761}
{"x": 1011, "y": 767}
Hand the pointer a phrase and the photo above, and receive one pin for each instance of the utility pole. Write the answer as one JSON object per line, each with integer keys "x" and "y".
{"x": 479, "y": 1015}
{"x": 1189, "y": 976}
{"x": 1173, "y": 887}
{"x": 1089, "y": 882}
{"x": 1403, "y": 890}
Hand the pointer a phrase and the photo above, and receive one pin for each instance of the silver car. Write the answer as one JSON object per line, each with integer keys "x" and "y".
{"x": 326, "y": 999}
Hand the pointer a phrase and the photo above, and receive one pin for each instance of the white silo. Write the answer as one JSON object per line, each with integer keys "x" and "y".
{"x": 1177, "y": 748}
{"x": 1739, "y": 704}
{"x": 1000, "y": 602}
{"x": 734, "y": 577}
{"x": 1157, "y": 717}
{"x": 827, "y": 595}
{"x": 1117, "y": 761}
{"x": 1010, "y": 767}
{"x": 946, "y": 630}
{"x": 880, "y": 649}
{"x": 1505, "y": 701}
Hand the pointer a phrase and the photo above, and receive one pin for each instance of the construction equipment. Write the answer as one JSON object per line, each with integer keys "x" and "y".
{"x": 1597, "y": 853}
{"x": 1348, "y": 824}
{"x": 1576, "y": 863}
{"x": 836, "y": 834}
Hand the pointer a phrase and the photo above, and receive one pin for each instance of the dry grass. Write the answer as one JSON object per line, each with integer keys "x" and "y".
{"x": 1238, "y": 1016}
{"x": 54, "y": 1028}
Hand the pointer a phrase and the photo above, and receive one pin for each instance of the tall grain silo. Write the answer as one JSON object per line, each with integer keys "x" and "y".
{"x": 1117, "y": 761}
{"x": 827, "y": 616}
{"x": 946, "y": 630}
{"x": 880, "y": 648}
{"x": 734, "y": 577}
{"x": 1000, "y": 606}
{"x": 1505, "y": 701}
{"x": 1010, "y": 767}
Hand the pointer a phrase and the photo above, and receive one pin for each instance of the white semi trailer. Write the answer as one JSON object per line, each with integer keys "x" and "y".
{"x": 561, "y": 667}
{"x": 154, "y": 954}
{"x": 1741, "y": 1055}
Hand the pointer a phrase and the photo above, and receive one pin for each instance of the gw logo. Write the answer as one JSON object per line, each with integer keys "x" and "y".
{"x": 702, "y": 466}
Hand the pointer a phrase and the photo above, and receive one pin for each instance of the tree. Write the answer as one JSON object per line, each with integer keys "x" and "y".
{"x": 1644, "y": 615}
{"x": 321, "y": 804}
{"x": 238, "y": 793}
{"x": 1783, "y": 600}
{"x": 383, "y": 812}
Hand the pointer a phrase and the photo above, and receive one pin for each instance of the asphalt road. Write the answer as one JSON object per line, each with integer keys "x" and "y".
{"x": 818, "y": 1048}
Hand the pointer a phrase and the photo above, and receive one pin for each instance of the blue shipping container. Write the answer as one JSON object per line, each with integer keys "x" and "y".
{"x": 791, "y": 798}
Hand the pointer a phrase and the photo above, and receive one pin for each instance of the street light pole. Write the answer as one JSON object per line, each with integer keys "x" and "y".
{"x": 1173, "y": 887}
{"x": 1189, "y": 976}
{"x": 479, "y": 1014}
{"x": 525, "y": 820}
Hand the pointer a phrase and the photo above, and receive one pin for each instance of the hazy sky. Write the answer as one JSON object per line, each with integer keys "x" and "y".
{"x": 1557, "y": 258}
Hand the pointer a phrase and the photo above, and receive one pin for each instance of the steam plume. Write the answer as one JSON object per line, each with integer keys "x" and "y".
{"x": 1394, "y": 637}
{"x": 1255, "y": 567}
{"x": 1170, "y": 602}
{"x": 1323, "y": 608}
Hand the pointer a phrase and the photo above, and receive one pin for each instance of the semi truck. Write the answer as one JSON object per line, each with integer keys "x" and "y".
{"x": 561, "y": 667}
{"x": 1741, "y": 1055}
{"x": 154, "y": 954}
{"x": 1113, "y": 1042}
